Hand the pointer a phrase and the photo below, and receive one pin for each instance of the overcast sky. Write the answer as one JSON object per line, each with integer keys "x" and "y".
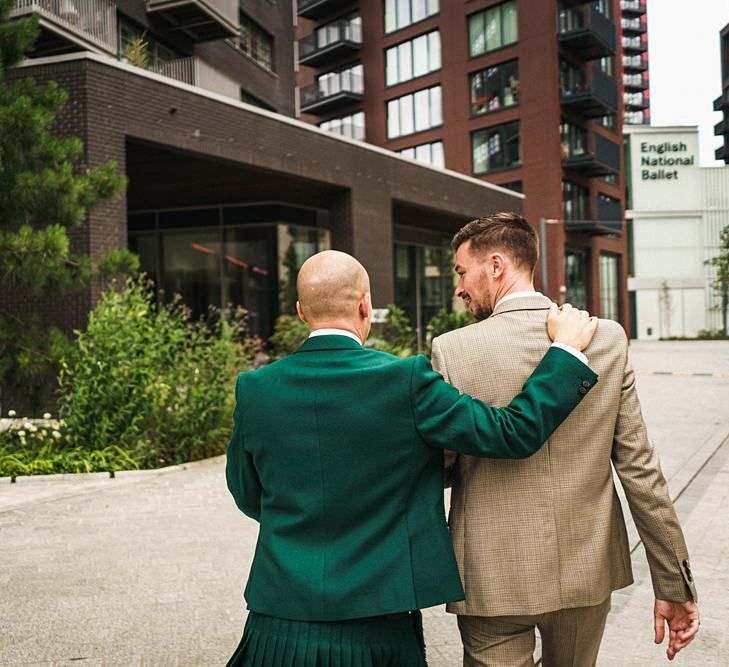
{"x": 685, "y": 67}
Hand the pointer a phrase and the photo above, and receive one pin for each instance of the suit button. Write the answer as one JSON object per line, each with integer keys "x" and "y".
{"x": 583, "y": 391}
{"x": 585, "y": 384}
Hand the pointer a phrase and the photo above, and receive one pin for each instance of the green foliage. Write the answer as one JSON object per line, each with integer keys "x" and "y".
{"x": 288, "y": 334}
{"x": 711, "y": 334}
{"x": 136, "y": 52}
{"x": 396, "y": 336}
{"x": 287, "y": 288}
{"x": 147, "y": 380}
{"x": 45, "y": 189}
{"x": 445, "y": 321}
{"x": 721, "y": 278}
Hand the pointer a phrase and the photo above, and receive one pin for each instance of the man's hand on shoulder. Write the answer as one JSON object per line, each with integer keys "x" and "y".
{"x": 571, "y": 326}
{"x": 683, "y": 624}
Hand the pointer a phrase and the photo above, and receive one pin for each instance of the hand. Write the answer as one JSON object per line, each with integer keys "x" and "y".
{"x": 571, "y": 326}
{"x": 683, "y": 624}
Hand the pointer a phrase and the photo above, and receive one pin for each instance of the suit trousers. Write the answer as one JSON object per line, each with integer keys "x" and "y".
{"x": 570, "y": 638}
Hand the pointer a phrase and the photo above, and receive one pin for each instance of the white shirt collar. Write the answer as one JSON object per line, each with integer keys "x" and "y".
{"x": 334, "y": 332}
{"x": 516, "y": 295}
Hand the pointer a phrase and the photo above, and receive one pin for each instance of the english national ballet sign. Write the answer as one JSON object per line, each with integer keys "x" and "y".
{"x": 664, "y": 168}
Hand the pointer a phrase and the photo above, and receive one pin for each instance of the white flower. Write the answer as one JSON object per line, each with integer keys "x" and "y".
{"x": 12, "y": 413}
{"x": 32, "y": 428}
{"x": 46, "y": 415}
{"x": 21, "y": 434}
{"x": 56, "y": 434}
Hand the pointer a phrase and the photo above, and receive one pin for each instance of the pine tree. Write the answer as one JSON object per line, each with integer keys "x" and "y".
{"x": 44, "y": 192}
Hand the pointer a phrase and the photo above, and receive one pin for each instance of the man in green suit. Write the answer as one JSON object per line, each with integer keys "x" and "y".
{"x": 338, "y": 452}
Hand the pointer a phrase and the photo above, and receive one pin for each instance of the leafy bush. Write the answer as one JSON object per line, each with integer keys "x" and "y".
{"x": 146, "y": 380}
{"x": 445, "y": 321}
{"x": 396, "y": 336}
{"x": 289, "y": 333}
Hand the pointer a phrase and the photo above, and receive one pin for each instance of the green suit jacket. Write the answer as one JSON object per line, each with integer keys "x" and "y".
{"x": 338, "y": 452}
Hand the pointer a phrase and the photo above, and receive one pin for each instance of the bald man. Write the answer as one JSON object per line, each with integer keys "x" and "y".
{"x": 337, "y": 451}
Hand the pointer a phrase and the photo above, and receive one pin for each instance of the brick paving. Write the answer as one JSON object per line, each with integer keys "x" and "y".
{"x": 148, "y": 569}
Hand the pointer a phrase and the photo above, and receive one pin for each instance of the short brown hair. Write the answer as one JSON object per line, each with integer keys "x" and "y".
{"x": 507, "y": 232}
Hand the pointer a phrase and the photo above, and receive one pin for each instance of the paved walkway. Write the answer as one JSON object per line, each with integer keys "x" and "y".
{"x": 149, "y": 569}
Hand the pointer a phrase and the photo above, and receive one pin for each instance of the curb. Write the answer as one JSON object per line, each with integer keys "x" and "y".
{"x": 121, "y": 474}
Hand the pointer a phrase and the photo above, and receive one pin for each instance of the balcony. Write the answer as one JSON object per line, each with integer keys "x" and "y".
{"x": 332, "y": 92}
{"x": 722, "y": 153}
{"x": 200, "y": 20}
{"x": 635, "y": 63}
{"x": 609, "y": 220}
{"x": 722, "y": 102}
{"x": 331, "y": 42}
{"x": 590, "y": 96}
{"x": 197, "y": 72}
{"x": 632, "y": 7}
{"x": 71, "y": 25}
{"x": 586, "y": 32}
{"x": 722, "y": 127}
{"x": 602, "y": 157}
{"x": 316, "y": 9}
{"x": 634, "y": 82}
{"x": 636, "y": 117}
{"x": 635, "y": 101}
{"x": 634, "y": 44}
{"x": 634, "y": 25}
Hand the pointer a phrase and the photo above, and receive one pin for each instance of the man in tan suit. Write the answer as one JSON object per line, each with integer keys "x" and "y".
{"x": 542, "y": 542}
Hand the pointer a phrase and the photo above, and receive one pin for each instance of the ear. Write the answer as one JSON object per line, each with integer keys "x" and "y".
{"x": 365, "y": 305}
{"x": 497, "y": 264}
{"x": 300, "y": 312}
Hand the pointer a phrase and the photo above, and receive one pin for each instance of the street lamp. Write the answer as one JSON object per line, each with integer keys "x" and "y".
{"x": 543, "y": 222}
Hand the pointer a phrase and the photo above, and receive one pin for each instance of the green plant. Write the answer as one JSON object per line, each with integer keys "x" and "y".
{"x": 289, "y": 333}
{"x": 445, "y": 321}
{"x": 720, "y": 282}
{"x": 136, "y": 52}
{"x": 147, "y": 380}
{"x": 396, "y": 336}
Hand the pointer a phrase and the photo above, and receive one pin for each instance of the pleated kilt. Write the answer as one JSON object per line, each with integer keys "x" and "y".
{"x": 395, "y": 640}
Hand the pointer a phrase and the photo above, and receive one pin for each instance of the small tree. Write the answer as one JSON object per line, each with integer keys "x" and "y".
{"x": 43, "y": 193}
{"x": 721, "y": 280}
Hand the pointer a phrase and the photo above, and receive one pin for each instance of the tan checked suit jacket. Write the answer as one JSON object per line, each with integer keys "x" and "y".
{"x": 548, "y": 533}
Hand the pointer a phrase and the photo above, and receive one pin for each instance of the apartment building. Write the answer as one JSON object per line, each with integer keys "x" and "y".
{"x": 721, "y": 103}
{"x": 228, "y": 193}
{"x": 636, "y": 88}
{"x": 521, "y": 94}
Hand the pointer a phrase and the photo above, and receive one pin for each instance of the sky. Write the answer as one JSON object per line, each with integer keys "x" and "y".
{"x": 685, "y": 66}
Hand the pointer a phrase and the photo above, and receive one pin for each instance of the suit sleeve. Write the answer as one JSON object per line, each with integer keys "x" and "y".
{"x": 447, "y": 420}
{"x": 439, "y": 364}
{"x": 636, "y": 463}
{"x": 240, "y": 471}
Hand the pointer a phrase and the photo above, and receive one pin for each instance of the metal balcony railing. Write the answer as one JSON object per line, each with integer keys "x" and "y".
{"x": 599, "y": 158}
{"x": 331, "y": 42}
{"x": 722, "y": 102}
{"x": 332, "y": 91}
{"x": 634, "y": 44}
{"x": 589, "y": 92}
{"x": 633, "y": 6}
{"x": 86, "y": 23}
{"x": 635, "y": 63}
{"x": 634, "y": 81}
{"x": 587, "y": 32}
{"x": 721, "y": 127}
{"x": 633, "y": 25}
{"x": 197, "y": 72}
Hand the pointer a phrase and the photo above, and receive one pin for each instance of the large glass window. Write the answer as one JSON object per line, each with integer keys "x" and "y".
{"x": 414, "y": 58}
{"x": 573, "y": 140}
{"x": 496, "y": 147}
{"x": 414, "y": 113}
{"x": 402, "y": 13}
{"x": 431, "y": 153}
{"x": 256, "y": 42}
{"x": 609, "y": 293}
{"x": 348, "y": 28}
{"x": 495, "y": 87}
{"x": 493, "y": 28}
{"x": 349, "y": 80}
{"x": 574, "y": 201}
{"x": 575, "y": 270}
{"x": 352, "y": 126}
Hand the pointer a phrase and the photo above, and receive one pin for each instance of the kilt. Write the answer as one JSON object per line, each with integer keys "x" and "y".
{"x": 395, "y": 640}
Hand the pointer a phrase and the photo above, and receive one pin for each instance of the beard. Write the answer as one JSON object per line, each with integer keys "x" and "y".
{"x": 481, "y": 309}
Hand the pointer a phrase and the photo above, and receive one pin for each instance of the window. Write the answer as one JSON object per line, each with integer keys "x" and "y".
{"x": 346, "y": 80}
{"x": 132, "y": 37}
{"x": 414, "y": 113}
{"x": 348, "y": 28}
{"x": 606, "y": 65}
{"x": 602, "y": 6}
{"x": 496, "y": 147}
{"x": 576, "y": 271}
{"x": 574, "y": 201}
{"x": 572, "y": 80}
{"x": 573, "y": 139}
{"x": 402, "y": 13}
{"x": 256, "y": 42}
{"x": 516, "y": 186}
{"x": 495, "y": 88}
{"x": 431, "y": 153}
{"x": 493, "y": 28}
{"x": 352, "y": 126}
{"x": 609, "y": 286}
{"x": 633, "y": 99}
{"x": 411, "y": 59}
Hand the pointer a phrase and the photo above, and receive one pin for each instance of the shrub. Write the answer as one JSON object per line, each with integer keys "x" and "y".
{"x": 145, "y": 379}
{"x": 445, "y": 321}
{"x": 289, "y": 333}
{"x": 396, "y": 336}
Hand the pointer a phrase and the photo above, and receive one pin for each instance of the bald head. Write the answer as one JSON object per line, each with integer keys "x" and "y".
{"x": 330, "y": 287}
